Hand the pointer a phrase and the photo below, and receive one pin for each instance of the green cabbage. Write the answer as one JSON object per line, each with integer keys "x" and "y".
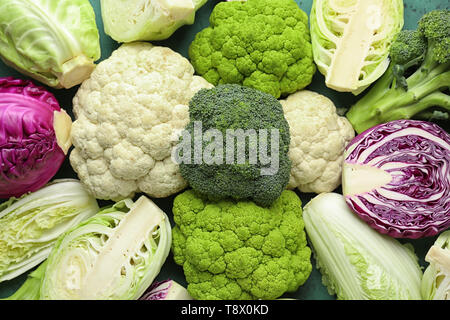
{"x": 30, "y": 226}
{"x": 436, "y": 278}
{"x": 357, "y": 262}
{"x": 351, "y": 40}
{"x": 139, "y": 20}
{"x": 114, "y": 255}
{"x": 53, "y": 41}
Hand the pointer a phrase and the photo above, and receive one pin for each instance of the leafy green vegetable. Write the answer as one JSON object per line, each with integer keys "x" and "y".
{"x": 238, "y": 250}
{"x": 351, "y": 40}
{"x": 262, "y": 44}
{"x": 436, "y": 278}
{"x": 30, "y": 225}
{"x": 416, "y": 83}
{"x": 53, "y": 41}
{"x": 137, "y": 20}
{"x": 357, "y": 262}
{"x": 114, "y": 255}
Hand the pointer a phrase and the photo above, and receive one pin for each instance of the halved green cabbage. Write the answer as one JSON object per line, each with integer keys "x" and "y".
{"x": 29, "y": 226}
{"x": 114, "y": 255}
{"x": 139, "y": 20}
{"x": 351, "y": 40}
{"x": 436, "y": 278}
{"x": 53, "y": 41}
{"x": 356, "y": 261}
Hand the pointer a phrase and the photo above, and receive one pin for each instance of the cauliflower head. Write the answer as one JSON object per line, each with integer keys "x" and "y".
{"x": 318, "y": 140}
{"x": 238, "y": 250}
{"x": 127, "y": 115}
{"x": 277, "y": 59}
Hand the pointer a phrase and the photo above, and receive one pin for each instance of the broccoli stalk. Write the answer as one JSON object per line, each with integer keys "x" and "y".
{"x": 415, "y": 84}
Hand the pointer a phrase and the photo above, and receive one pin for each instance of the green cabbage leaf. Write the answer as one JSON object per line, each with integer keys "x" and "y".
{"x": 53, "y": 41}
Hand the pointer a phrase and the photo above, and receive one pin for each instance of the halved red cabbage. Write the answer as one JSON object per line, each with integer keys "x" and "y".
{"x": 396, "y": 176}
{"x": 34, "y": 137}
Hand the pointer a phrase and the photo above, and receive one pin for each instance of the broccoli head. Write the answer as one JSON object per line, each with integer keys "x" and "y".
{"x": 409, "y": 46}
{"x": 277, "y": 59}
{"x": 408, "y": 50}
{"x": 238, "y": 250}
{"x": 435, "y": 26}
{"x": 416, "y": 84}
{"x": 236, "y": 145}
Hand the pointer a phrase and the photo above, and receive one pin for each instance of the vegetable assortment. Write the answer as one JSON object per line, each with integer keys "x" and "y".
{"x": 126, "y": 116}
{"x": 148, "y": 122}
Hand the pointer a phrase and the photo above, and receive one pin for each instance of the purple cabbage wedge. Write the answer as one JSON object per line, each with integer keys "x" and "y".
{"x": 166, "y": 290}
{"x": 34, "y": 137}
{"x": 396, "y": 176}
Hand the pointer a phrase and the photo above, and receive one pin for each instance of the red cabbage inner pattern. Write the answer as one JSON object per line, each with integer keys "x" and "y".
{"x": 396, "y": 177}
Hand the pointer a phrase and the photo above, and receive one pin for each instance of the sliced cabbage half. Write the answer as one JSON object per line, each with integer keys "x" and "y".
{"x": 53, "y": 41}
{"x": 30, "y": 225}
{"x": 357, "y": 262}
{"x": 351, "y": 40}
{"x": 114, "y": 255}
{"x": 139, "y": 20}
{"x": 436, "y": 278}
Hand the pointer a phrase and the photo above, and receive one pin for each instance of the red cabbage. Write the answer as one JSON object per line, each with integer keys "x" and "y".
{"x": 396, "y": 176}
{"x": 166, "y": 290}
{"x": 34, "y": 137}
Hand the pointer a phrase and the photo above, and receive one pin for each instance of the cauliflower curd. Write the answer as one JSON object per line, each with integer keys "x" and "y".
{"x": 318, "y": 140}
{"x": 126, "y": 117}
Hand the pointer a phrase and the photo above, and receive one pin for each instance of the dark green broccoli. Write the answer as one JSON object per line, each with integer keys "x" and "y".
{"x": 408, "y": 50}
{"x": 246, "y": 154}
{"x": 417, "y": 81}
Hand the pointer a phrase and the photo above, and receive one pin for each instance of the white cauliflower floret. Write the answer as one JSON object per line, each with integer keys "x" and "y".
{"x": 318, "y": 140}
{"x": 126, "y": 117}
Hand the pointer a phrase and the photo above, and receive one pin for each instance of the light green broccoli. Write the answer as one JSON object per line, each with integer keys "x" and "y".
{"x": 262, "y": 44}
{"x": 238, "y": 250}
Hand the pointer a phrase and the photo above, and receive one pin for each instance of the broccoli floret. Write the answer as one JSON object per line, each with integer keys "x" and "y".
{"x": 408, "y": 50}
{"x": 417, "y": 82}
{"x": 263, "y": 44}
{"x": 256, "y": 166}
{"x": 435, "y": 26}
{"x": 238, "y": 250}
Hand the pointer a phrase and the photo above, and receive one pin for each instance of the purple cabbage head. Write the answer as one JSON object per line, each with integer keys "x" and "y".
{"x": 34, "y": 137}
{"x": 396, "y": 176}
